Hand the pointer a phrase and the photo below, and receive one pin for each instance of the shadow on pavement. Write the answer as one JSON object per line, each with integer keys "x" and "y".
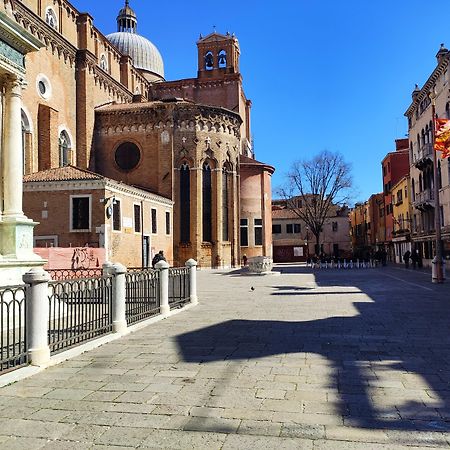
{"x": 402, "y": 327}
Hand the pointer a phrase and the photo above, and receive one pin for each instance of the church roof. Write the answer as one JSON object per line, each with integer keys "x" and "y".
{"x": 144, "y": 54}
{"x": 66, "y": 173}
{"x": 245, "y": 160}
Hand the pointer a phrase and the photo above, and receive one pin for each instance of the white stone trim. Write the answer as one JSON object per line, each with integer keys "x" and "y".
{"x": 107, "y": 184}
{"x": 48, "y": 94}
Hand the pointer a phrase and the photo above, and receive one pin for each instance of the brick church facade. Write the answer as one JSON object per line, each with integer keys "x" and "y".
{"x": 101, "y": 106}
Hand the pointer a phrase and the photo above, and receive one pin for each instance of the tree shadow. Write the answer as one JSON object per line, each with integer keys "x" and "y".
{"x": 399, "y": 327}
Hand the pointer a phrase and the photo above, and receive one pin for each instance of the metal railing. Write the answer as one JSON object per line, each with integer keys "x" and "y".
{"x": 179, "y": 287}
{"x": 74, "y": 274}
{"x": 426, "y": 196}
{"x": 141, "y": 295}
{"x": 426, "y": 151}
{"x": 13, "y": 352}
{"x": 79, "y": 310}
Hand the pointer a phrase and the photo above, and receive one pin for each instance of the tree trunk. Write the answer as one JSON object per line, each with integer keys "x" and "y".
{"x": 317, "y": 249}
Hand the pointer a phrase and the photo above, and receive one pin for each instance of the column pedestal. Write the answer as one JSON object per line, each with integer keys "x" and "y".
{"x": 16, "y": 230}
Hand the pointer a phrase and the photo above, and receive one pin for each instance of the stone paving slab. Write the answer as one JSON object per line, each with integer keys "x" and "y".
{"x": 308, "y": 360}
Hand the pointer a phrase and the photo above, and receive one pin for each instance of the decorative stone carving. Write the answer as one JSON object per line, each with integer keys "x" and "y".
{"x": 260, "y": 264}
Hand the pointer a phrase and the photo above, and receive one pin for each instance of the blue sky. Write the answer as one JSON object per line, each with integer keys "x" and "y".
{"x": 321, "y": 75}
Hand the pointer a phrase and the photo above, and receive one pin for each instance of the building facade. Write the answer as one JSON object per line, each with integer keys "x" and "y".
{"x": 119, "y": 118}
{"x": 401, "y": 233}
{"x": 293, "y": 240}
{"x": 395, "y": 165}
{"x": 420, "y": 127}
{"x": 367, "y": 226}
{"x": 131, "y": 224}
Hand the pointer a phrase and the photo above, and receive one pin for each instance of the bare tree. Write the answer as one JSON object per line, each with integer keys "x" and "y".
{"x": 315, "y": 187}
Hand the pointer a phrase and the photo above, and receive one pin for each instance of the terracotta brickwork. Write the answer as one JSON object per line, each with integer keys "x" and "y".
{"x": 169, "y": 135}
{"x": 85, "y": 98}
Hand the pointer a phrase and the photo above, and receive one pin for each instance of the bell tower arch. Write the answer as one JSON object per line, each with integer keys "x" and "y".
{"x": 218, "y": 54}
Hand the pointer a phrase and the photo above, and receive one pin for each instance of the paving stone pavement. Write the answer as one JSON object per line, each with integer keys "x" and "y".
{"x": 324, "y": 360}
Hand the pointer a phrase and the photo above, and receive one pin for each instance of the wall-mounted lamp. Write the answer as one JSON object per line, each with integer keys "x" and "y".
{"x": 109, "y": 208}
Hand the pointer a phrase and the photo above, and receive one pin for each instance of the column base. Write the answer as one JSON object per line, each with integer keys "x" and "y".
{"x": 194, "y": 299}
{"x": 16, "y": 249}
{"x": 165, "y": 310}
{"x": 119, "y": 327}
{"x": 11, "y": 271}
{"x": 16, "y": 239}
{"x": 39, "y": 356}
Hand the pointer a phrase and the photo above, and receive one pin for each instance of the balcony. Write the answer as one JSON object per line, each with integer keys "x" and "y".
{"x": 423, "y": 157}
{"x": 424, "y": 200}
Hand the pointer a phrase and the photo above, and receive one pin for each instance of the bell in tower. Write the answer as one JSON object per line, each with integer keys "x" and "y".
{"x": 218, "y": 54}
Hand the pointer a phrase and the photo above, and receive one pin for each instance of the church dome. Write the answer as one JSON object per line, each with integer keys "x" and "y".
{"x": 144, "y": 54}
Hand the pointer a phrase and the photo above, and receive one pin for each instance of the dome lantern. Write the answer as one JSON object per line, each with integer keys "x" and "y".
{"x": 144, "y": 54}
{"x": 127, "y": 19}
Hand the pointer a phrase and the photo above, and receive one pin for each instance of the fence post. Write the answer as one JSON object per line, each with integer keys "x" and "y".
{"x": 37, "y": 312}
{"x": 192, "y": 265}
{"x": 163, "y": 270}
{"x": 107, "y": 268}
{"x": 119, "y": 321}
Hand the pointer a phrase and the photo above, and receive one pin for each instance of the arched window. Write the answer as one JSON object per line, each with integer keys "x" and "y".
{"x": 26, "y": 131}
{"x": 222, "y": 57}
{"x": 225, "y": 203}
{"x": 64, "y": 149}
{"x": 206, "y": 203}
{"x": 185, "y": 202}
{"x": 420, "y": 183}
{"x": 103, "y": 63}
{"x": 422, "y": 140}
{"x": 50, "y": 18}
{"x": 426, "y": 135}
{"x": 209, "y": 61}
{"x": 413, "y": 190}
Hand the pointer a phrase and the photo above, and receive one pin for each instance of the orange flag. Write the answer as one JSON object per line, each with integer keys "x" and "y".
{"x": 442, "y": 137}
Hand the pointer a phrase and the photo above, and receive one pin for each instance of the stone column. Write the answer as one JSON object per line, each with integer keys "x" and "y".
{"x": 191, "y": 264}
{"x": 12, "y": 150}
{"x": 163, "y": 268}
{"x": 37, "y": 316}
{"x": 217, "y": 218}
{"x": 119, "y": 320}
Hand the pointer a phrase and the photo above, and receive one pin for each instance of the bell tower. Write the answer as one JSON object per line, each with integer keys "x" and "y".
{"x": 218, "y": 54}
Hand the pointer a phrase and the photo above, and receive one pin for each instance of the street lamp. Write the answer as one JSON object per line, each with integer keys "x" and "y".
{"x": 437, "y": 273}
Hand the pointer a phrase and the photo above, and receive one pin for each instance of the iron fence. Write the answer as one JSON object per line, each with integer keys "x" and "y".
{"x": 74, "y": 274}
{"x": 141, "y": 295}
{"x": 80, "y": 310}
{"x": 179, "y": 287}
{"x": 13, "y": 352}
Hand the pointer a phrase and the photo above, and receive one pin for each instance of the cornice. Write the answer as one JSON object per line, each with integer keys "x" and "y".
{"x": 85, "y": 185}
{"x": 185, "y": 117}
{"x": 426, "y": 88}
{"x": 42, "y": 31}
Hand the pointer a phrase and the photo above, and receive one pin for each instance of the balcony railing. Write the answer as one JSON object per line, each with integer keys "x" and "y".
{"x": 424, "y": 199}
{"x": 425, "y": 152}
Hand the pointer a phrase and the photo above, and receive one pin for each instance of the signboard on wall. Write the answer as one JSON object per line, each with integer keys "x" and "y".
{"x": 298, "y": 251}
